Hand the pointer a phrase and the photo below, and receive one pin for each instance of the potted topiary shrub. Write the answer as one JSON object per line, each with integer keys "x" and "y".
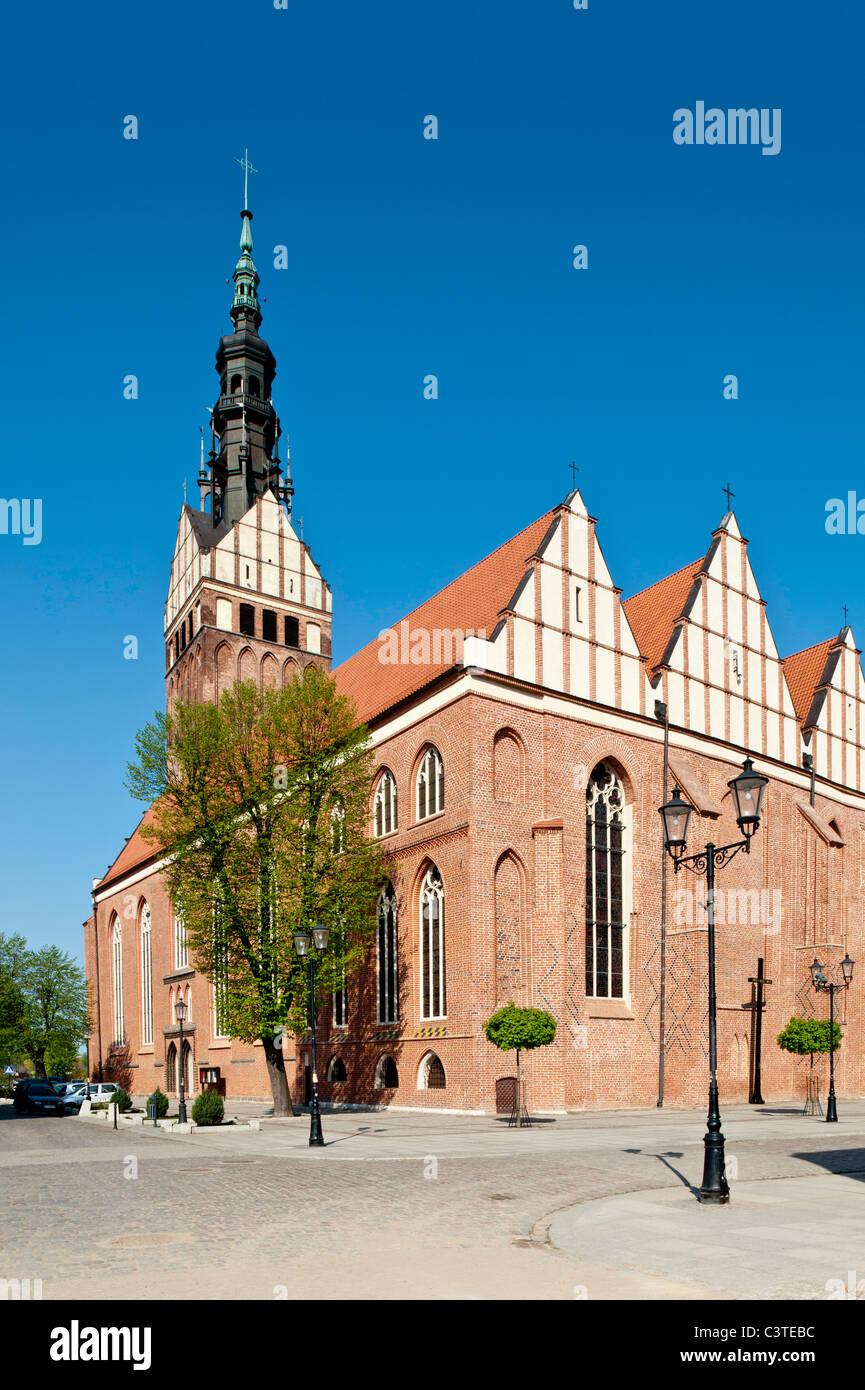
{"x": 810, "y": 1037}
{"x": 513, "y": 1029}
{"x": 208, "y": 1108}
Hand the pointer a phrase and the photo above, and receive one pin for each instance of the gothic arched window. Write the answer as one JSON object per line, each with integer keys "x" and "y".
{"x": 385, "y": 805}
{"x": 433, "y": 993}
{"x": 181, "y": 947}
{"x": 386, "y": 1074}
{"x": 146, "y": 977}
{"x": 430, "y": 785}
{"x": 431, "y": 1073}
{"x": 605, "y": 896}
{"x": 386, "y": 963}
{"x": 117, "y": 961}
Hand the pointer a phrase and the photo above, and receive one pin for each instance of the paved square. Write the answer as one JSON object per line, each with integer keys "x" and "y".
{"x": 399, "y": 1204}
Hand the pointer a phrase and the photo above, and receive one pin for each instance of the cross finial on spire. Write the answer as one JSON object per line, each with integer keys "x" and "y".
{"x": 247, "y": 170}
{"x": 729, "y": 494}
{"x": 845, "y": 615}
{"x": 574, "y": 471}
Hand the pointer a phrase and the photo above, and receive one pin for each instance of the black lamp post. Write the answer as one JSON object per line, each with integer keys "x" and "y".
{"x": 747, "y": 789}
{"x": 180, "y": 1011}
{"x": 320, "y": 934}
{"x": 820, "y": 982}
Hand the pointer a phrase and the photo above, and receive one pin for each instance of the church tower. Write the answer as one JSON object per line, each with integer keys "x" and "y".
{"x": 246, "y": 600}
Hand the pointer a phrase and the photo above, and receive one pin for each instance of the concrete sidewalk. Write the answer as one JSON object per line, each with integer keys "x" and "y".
{"x": 797, "y": 1238}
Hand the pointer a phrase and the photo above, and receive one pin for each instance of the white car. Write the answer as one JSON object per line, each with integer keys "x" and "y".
{"x": 99, "y": 1091}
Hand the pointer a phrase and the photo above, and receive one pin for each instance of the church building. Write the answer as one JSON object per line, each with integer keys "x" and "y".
{"x": 527, "y": 723}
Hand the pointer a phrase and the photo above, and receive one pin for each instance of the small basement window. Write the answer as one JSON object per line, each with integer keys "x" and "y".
{"x": 247, "y": 619}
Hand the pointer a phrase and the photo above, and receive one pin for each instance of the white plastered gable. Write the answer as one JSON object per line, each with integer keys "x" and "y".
{"x": 838, "y": 741}
{"x": 725, "y": 675}
{"x": 565, "y": 628}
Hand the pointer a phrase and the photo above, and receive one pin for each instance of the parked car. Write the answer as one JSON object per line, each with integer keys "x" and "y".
{"x": 100, "y": 1091}
{"x": 38, "y": 1098}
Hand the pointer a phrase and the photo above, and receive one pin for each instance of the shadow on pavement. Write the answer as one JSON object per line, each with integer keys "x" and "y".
{"x": 846, "y": 1163}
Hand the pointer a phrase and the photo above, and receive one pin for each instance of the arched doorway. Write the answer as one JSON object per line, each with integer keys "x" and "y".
{"x": 171, "y": 1068}
{"x": 187, "y": 1068}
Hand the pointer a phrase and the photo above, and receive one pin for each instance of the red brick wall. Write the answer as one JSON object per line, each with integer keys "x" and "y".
{"x": 510, "y": 847}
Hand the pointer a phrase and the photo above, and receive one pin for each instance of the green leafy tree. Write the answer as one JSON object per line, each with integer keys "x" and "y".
{"x": 810, "y": 1037}
{"x": 515, "y": 1029}
{"x": 13, "y": 1006}
{"x": 50, "y": 1026}
{"x": 262, "y": 810}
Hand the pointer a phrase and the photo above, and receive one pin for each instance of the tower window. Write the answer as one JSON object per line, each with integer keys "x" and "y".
{"x": 247, "y": 619}
{"x": 236, "y": 385}
{"x": 292, "y": 632}
{"x": 254, "y": 386}
{"x": 577, "y": 617}
{"x": 268, "y": 625}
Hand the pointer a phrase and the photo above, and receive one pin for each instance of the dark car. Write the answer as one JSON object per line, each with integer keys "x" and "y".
{"x": 38, "y": 1098}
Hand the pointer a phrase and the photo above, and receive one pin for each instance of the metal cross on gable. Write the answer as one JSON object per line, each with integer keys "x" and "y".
{"x": 729, "y": 494}
{"x": 247, "y": 170}
{"x": 574, "y": 471}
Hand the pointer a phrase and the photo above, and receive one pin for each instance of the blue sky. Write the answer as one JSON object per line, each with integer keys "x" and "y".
{"x": 407, "y": 257}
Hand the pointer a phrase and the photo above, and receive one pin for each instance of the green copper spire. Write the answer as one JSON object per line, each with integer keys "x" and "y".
{"x": 245, "y": 308}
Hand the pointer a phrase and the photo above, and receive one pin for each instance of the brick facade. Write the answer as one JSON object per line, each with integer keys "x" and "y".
{"x": 526, "y": 674}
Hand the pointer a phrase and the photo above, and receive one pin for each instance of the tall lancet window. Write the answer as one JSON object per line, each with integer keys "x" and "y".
{"x": 385, "y": 805}
{"x": 181, "y": 948}
{"x": 117, "y": 962}
{"x": 386, "y": 956}
{"x": 430, "y": 785}
{"x": 146, "y": 978}
{"x": 432, "y": 901}
{"x": 606, "y": 832}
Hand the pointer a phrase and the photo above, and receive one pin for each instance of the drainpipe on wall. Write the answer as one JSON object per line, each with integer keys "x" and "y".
{"x": 661, "y": 713}
{"x": 808, "y": 764}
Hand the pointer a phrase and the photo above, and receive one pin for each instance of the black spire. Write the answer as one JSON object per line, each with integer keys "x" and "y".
{"x": 243, "y": 462}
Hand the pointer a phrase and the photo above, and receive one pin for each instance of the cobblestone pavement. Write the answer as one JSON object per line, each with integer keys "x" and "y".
{"x": 398, "y": 1204}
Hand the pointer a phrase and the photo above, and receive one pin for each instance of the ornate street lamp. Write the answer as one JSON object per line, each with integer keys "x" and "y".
{"x": 748, "y": 790}
{"x": 320, "y": 936}
{"x": 822, "y": 984}
{"x": 180, "y": 1011}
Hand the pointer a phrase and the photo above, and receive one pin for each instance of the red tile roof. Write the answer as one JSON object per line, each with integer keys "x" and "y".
{"x": 472, "y": 602}
{"x": 135, "y": 852}
{"x": 804, "y": 671}
{"x": 652, "y": 613}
